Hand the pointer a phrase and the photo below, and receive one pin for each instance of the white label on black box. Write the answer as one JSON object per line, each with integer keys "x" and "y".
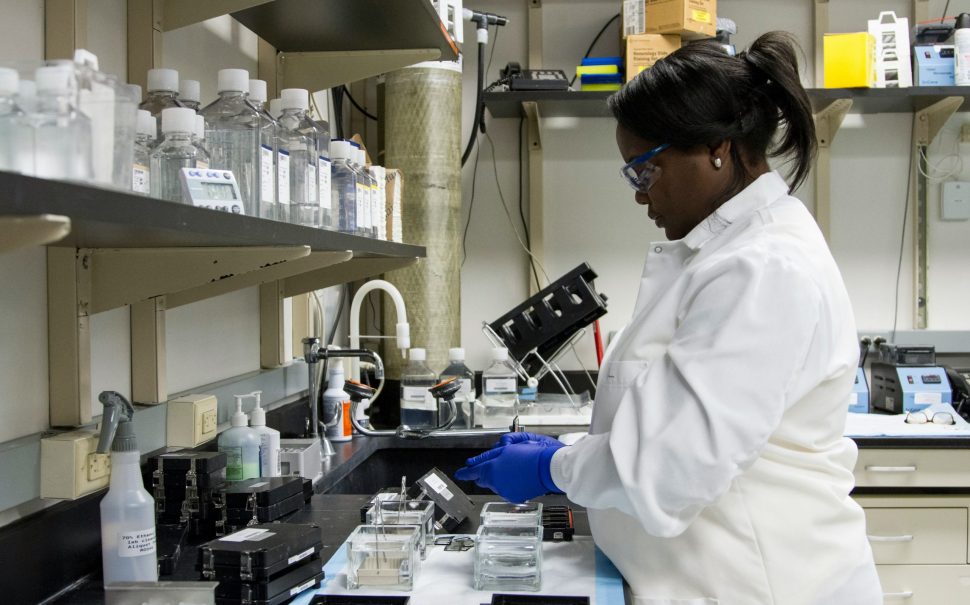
{"x": 303, "y": 555}
{"x": 253, "y": 534}
{"x": 136, "y": 543}
{"x": 302, "y": 587}
{"x": 435, "y": 483}
{"x": 446, "y": 494}
{"x": 260, "y": 484}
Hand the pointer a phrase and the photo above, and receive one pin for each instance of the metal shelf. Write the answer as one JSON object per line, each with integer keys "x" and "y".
{"x": 551, "y": 103}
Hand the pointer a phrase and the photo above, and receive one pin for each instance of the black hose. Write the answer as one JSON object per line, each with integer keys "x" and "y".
{"x": 479, "y": 104}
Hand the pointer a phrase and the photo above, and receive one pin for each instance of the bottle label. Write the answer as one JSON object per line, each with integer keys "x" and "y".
{"x": 359, "y": 206}
{"x": 377, "y": 210}
{"x": 500, "y": 385}
{"x": 234, "y": 463}
{"x": 311, "y": 179}
{"x": 417, "y": 398}
{"x": 283, "y": 173}
{"x": 266, "y": 173}
{"x": 368, "y": 220}
{"x": 136, "y": 543}
{"x": 323, "y": 182}
{"x": 140, "y": 182}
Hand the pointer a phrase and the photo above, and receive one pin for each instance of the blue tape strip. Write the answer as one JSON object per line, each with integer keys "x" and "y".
{"x": 609, "y": 582}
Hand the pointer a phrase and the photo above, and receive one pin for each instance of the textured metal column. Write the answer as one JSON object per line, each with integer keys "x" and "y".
{"x": 423, "y": 140}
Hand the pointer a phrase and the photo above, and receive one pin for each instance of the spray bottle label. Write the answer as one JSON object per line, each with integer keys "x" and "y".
{"x": 136, "y": 543}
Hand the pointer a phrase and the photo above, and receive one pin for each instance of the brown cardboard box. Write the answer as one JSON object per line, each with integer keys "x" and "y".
{"x": 688, "y": 18}
{"x": 644, "y": 50}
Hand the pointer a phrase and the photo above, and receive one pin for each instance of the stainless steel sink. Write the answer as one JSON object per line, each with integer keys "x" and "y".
{"x": 385, "y": 467}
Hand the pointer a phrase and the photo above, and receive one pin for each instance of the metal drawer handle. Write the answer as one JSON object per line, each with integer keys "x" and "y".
{"x": 898, "y": 595}
{"x": 891, "y": 469}
{"x": 907, "y": 538}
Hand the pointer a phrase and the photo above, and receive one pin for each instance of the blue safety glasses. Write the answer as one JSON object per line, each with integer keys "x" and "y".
{"x": 639, "y": 173}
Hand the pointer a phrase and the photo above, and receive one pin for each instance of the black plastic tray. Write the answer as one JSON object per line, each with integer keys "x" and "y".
{"x": 200, "y": 462}
{"x": 283, "y": 597}
{"x": 269, "y": 588}
{"x": 268, "y": 491}
{"x": 265, "y": 514}
{"x": 272, "y": 551}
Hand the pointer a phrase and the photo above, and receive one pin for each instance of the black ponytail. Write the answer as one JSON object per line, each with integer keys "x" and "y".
{"x": 699, "y": 95}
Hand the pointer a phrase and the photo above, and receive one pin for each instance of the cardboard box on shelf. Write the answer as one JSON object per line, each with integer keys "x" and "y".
{"x": 933, "y": 65}
{"x": 687, "y": 18}
{"x": 849, "y": 60}
{"x": 643, "y": 50}
{"x": 891, "y": 34}
{"x": 633, "y": 13}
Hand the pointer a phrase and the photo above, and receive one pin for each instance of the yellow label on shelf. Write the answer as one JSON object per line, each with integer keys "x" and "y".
{"x": 700, "y": 16}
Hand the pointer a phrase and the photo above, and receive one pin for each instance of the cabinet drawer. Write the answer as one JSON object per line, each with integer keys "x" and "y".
{"x": 925, "y": 584}
{"x": 917, "y": 535}
{"x": 913, "y": 468}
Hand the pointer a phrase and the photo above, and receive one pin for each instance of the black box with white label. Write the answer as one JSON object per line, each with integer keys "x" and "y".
{"x": 259, "y": 552}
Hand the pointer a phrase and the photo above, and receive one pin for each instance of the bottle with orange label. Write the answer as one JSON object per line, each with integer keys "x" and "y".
{"x": 336, "y": 405}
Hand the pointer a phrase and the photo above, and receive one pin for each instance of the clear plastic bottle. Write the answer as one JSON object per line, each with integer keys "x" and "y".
{"x": 269, "y": 132}
{"x": 241, "y": 446}
{"x": 370, "y": 195}
{"x": 499, "y": 390}
{"x": 296, "y": 136}
{"x": 418, "y": 406}
{"x": 163, "y": 86}
{"x": 62, "y": 134}
{"x": 337, "y": 402}
{"x": 232, "y": 134}
{"x": 27, "y": 96}
{"x": 190, "y": 94}
{"x": 465, "y": 400}
{"x": 328, "y": 214}
{"x": 144, "y": 139}
{"x": 275, "y": 109}
{"x": 269, "y": 440}
{"x": 362, "y": 196}
{"x": 343, "y": 191}
{"x": 175, "y": 152}
{"x": 16, "y": 136}
{"x": 199, "y": 141}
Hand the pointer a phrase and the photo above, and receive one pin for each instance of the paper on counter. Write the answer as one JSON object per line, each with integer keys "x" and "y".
{"x": 886, "y": 425}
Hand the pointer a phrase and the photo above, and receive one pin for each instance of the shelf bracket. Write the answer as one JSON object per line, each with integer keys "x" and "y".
{"x": 827, "y": 123}
{"x": 927, "y": 123}
{"x": 536, "y": 222}
{"x": 149, "y": 369}
{"x": 821, "y": 14}
{"x": 320, "y": 70}
{"x": 68, "y": 338}
{"x": 22, "y": 231}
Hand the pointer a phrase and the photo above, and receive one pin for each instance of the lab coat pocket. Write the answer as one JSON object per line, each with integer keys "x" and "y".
{"x": 621, "y": 374}
{"x": 660, "y": 601}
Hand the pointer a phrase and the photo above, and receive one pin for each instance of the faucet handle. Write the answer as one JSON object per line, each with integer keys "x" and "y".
{"x": 311, "y": 344}
{"x": 446, "y": 389}
{"x": 358, "y": 391}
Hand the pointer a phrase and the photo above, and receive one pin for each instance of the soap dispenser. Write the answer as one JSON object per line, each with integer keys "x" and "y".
{"x": 241, "y": 446}
{"x": 127, "y": 510}
{"x": 269, "y": 440}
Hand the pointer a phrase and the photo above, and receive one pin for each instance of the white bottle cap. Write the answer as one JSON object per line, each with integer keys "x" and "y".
{"x": 147, "y": 124}
{"x": 275, "y": 108}
{"x": 178, "y": 119}
{"x": 500, "y": 354}
{"x": 238, "y": 418}
{"x": 340, "y": 150}
{"x": 189, "y": 90}
{"x": 53, "y": 79}
{"x": 233, "y": 80}
{"x": 257, "y": 90}
{"x": 200, "y": 127}
{"x": 163, "y": 79}
{"x": 418, "y": 355}
{"x": 134, "y": 92}
{"x": 295, "y": 98}
{"x": 9, "y": 81}
{"x": 456, "y": 354}
{"x": 258, "y": 415}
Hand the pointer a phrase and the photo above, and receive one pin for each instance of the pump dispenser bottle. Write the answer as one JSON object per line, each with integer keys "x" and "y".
{"x": 269, "y": 440}
{"x": 127, "y": 510}
{"x": 241, "y": 446}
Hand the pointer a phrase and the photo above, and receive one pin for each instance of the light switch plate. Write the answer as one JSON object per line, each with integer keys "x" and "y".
{"x": 955, "y": 201}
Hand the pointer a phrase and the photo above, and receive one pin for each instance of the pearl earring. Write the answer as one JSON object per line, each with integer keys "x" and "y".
{"x": 717, "y": 163}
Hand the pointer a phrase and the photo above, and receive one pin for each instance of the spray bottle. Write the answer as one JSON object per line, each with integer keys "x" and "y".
{"x": 127, "y": 510}
{"x": 241, "y": 446}
{"x": 269, "y": 440}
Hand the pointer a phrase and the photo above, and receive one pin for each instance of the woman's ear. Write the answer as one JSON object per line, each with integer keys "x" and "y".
{"x": 719, "y": 153}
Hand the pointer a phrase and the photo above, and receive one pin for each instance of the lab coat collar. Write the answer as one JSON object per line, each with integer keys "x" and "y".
{"x": 765, "y": 190}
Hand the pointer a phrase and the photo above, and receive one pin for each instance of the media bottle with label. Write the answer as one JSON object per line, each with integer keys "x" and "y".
{"x": 62, "y": 134}
{"x": 162, "y": 89}
{"x": 297, "y": 137}
{"x": 199, "y": 141}
{"x": 241, "y": 446}
{"x": 418, "y": 407}
{"x": 344, "y": 186}
{"x": 175, "y": 152}
{"x": 16, "y": 136}
{"x": 189, "y": 94}
{"x": 145, "y": 137}
{"x": 499, "y": 389}
{"x": 269, "y": 132}
{"x": 465, "y": 399}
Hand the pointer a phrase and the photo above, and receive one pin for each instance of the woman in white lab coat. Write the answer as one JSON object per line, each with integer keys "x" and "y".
{"x": 715, "y": 470}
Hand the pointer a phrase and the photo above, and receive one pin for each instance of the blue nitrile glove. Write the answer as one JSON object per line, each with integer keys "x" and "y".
{"x": 517, "y": 472}
{"x": 520, "y": 437}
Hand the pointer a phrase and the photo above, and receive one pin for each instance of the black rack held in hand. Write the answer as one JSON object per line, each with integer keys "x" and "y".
{"x": 546, "y": 321}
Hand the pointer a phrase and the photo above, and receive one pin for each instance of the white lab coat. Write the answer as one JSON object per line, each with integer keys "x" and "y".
{"x": 715, "y": 471}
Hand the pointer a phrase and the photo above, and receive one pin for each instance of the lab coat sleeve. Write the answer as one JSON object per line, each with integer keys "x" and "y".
{"x": 700, "y": 414}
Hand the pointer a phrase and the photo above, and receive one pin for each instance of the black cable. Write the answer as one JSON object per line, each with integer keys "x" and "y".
{"x": 595, "y": 40}
{"x": 353, "y": 102}
{"x": 525, "y": 225}
{"x": 479, "y": 104}
{"x": 946, "y": 7}
{"x": 471, "y": 206}
{"x": 902, "y": 237}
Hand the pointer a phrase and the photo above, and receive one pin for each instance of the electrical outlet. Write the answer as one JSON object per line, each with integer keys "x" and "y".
{"x": 192, "y": 420}
{"x": 70, "y": 466}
